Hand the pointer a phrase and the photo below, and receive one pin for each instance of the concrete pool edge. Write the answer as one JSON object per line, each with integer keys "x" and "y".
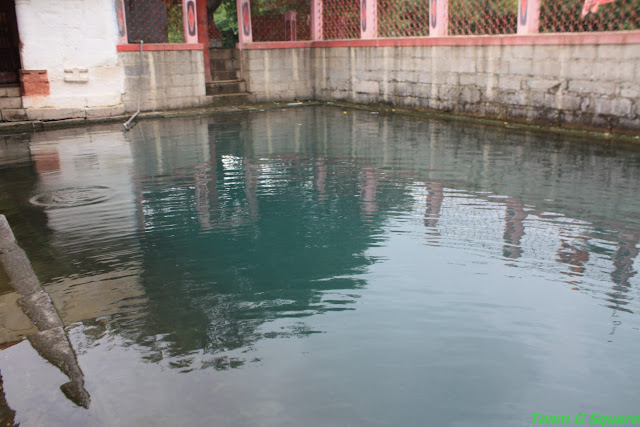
{"x": 8, "y": 128}
{"x": 516, "y": 125}
{"x": 580, "y": 132}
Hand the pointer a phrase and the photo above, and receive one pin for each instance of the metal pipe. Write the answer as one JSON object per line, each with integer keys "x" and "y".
{"x": 128, "y": 123}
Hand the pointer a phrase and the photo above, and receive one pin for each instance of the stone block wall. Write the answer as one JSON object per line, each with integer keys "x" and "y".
{"x": 279, "y": 74}
{"x": 171, "y": 79}
{"x": 592, "y": 85}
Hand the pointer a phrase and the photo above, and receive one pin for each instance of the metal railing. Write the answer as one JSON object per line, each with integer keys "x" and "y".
{"x": 410, "y": 18}
{"x": 154, "y": 21}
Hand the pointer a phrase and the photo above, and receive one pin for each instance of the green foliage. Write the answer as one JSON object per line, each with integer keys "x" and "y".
{"x": 226, "y": 20}
{"x": 175, "y": 25}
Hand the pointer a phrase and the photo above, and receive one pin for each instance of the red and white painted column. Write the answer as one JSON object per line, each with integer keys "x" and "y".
{"x": 368, "y": 19}
{"x": 245, "y": 34}
{"x": 290, "y": 29}
{"x": 528, "y": 16}
{"x": 438, "y": 18}
{"x": 121, "y": 17}
{"x": 190, "y": 19}
{"x": 316, "y": 20}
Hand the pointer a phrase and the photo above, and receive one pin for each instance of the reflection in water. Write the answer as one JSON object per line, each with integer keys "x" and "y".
{"x": 221, "y": 236}
{"x": 369, "y": 187}
{"x": 435, "y": 196}
{"x": 571, "y": 255}
{"x": 50, "y": 340}
{"x": 623, "y": 259}
{"x": 514, "y": 228}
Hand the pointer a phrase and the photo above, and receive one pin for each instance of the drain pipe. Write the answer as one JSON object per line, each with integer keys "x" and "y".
{"x": 127, "y": 125}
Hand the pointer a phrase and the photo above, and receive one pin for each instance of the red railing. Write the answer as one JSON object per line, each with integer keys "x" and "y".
{"x": 154, "y": 21}
{"x": 403, "y": 18}
{"x": 410, "y": 18}
{"x": 341, "y": 19}
{"x": 271, "y": 28}
{"x": 562, "y": 16}
{"x": 481, "y": 17}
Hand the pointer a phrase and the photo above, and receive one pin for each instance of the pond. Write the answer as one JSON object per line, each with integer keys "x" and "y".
{"x": 317, "y": 266}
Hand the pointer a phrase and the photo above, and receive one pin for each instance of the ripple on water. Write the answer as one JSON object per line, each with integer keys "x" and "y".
{"x": 72, "y": 196}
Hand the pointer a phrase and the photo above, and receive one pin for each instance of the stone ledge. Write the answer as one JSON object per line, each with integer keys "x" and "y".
{"x": 14, "y": 115}
{"x": 32, "y": 115}
{"x": 99, "y": 112}
{"x": 46, "y": 114}
{"x": 24, "y": 126}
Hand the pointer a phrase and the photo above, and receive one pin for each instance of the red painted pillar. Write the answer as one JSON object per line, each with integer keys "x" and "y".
{"x": 368, "y": 19}
{"x": 528, "y": 16}
{"x": 121, "y": 16}
{"x": 245, "y": 34}
{"x": 438, "y": 18}
{"x": 190, "y": 20}
{"x": 316, "y": 20}
{"x": 290, "y": 22}
{"x": 203, "y": 36}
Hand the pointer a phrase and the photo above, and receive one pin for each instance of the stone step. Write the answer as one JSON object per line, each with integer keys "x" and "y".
{"x": 10, "y": 91}
{"x": 10, "y": 102}
{"x": 224, "y": 75}
{"x": 14, "y": 115}
{"x": 223, "y": 53}
{"x": 224, "y": 64}
{"x": 229, "y": 86}
{"x": 227, "y": 99}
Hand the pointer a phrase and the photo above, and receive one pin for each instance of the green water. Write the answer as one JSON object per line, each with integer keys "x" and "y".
{"x": 311, "y": 267}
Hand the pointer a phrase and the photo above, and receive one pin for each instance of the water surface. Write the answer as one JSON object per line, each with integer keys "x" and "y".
{"x": 319, "y": 267}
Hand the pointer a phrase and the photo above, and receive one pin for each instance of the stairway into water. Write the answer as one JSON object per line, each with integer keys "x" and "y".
{"x": 227, "y": 87}
{"x": 11, "y": 103}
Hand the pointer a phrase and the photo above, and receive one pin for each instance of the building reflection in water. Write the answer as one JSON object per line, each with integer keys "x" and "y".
{"x": 513, "y": 228}
{"x": 368, "y": 192}
{"x": 321, "y": 178}
{"x": 39, "y": 319}
{"x": 623, "y": 260}
{"x": 218, "y": 228}
{"x": 433, "y": 204}
{"x": 573, "y": 254}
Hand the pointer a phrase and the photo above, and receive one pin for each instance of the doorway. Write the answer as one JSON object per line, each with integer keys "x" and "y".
{"x": 9, "y": 44}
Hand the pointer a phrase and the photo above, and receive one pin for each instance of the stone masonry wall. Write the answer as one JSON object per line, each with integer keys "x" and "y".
{"x": 170, "y": 79}
{"x": 279, "y": 74}
{"x": 581, "y": 84}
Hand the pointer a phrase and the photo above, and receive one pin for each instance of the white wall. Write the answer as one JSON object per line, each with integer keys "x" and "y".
{"x": 66, "y": 34}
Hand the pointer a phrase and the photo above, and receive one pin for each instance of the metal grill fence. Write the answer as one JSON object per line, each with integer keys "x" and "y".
{"x": 268, "y": 19}
{"x": 160, "y": 21}
{"x": 403, "y": 18}
{"x": 410, "y": 18}
{"x": 154, "y": 21}
{"x": 341, "y": 19}
{"x": 560, "y": 16}
{"x": 482, "y": 17}
{"x": 272, "y": 28}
